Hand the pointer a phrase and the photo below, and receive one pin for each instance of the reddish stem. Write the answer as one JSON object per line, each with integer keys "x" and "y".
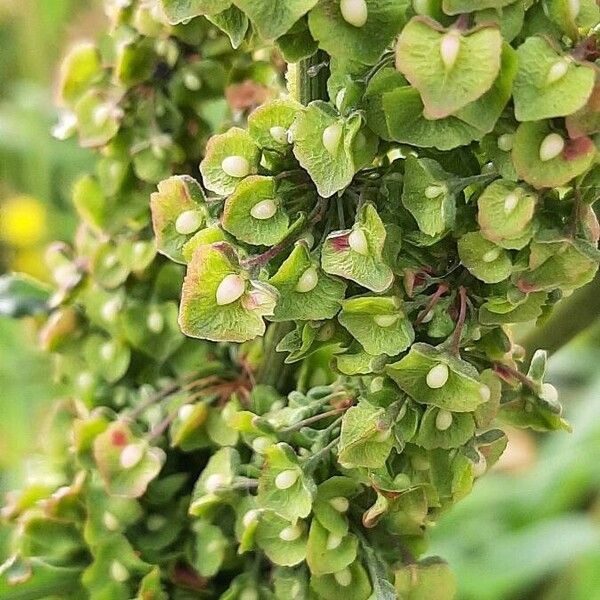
{"x": 462, "y": 316}
{"x": 506, "y": 372}
{"x": 441, "y": 290}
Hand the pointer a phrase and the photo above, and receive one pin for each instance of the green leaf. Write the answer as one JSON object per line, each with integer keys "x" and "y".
{"x": 273, "y": 19}
{"x": 453, "y": 386}
{"x": 570, "y": 16}
{"x": 98, "y": 117}
{"x": 500, "y": 311}
{"x": 219, "y": 302}
{"x": 233, "y": 22}
{"x": 229, "y": 158}
{"x": 178, "y": 212}
{"x": 549, "y": 84}
{"x": 356, "y": 254}
{"x": 331, "y": 168}
{"x": 466, "y": 75}
{"x": 333, "y": 501}
{"x": 351, "y": 583}
{"x": 426, "y": 195}
{"x": 178, "y": 11}
{"x": 505, "y": 214}
{"x": 484, "y": 259}
{"x": 378, "y": 323}
{"x": 254, "y": 212}
{"x": 365, "y": 43}
{"x": 283, "y": 542}
{"x": 269, "y": 124}
{"x": 209, "y": 548}
{"x": 366, "y": 439}
{"x": 429, "y": 579}
{"x": 151, "y": 587}
{"x": 282, "y": 487}
{"x": 443, "y": 429}
{"x": 328, "y": 553}
{"x": 106, "y": 357}
{"x": 126, "y": 464}
{"x": 80, "y": 68}
{"x": 22, "y": 296}
{"x": 456, "y": 7}
{"x": 533, "y": 142}
{"x": 305, "y": 292}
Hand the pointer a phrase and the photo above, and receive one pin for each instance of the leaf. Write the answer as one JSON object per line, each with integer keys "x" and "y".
{"x": 549, "y": 84}
{"x": 332, "y": 502}
{"x": 328, "y": 553}
{"x": 235, "y": 146}
{"x": 378, "y": 323}
{"x": 351, "y": 584}
{"x": 98, "y": 117}
{"x": 22, "y": 296}
{"x": 456, "y": 7}
{"x": 426, "y": 195}
{"x": 575, "y": 158}
{"x": 429, "y": 579}
{"x": 238, "y": 320}
{"x": 341, "y": 39}
{"x": 483, "y": 258}
{"x": 502, "y": 311}
{"x": 505, "y": 214}
{"x": 356, "y": 254}
{"x": 285, "y": 549}
{"x": 151, "y": 587}
{"x": 269, "y": 226}
{"x": 365, "y": 438}
{"x": 445, "y": 89}
{"x": 282, "y": 487}
{"x": 275, "y": 18}
{"x": 209, "y": 548}
{"x": 298, "y": 299}
{"x": 80, "y": 69}
{"x": 331, "y": 169}
{"x": 178, "y": 211}
{"x": 269, "y": 124}
{"x": 461, "y": 392}
{"x": 178, "y": 11}
{"x": 434, "y": 431}
{"x": 233, "y": 22}
{"x": 126, "y": 464}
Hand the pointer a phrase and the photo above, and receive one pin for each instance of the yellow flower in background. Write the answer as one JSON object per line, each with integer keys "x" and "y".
{"x": 22, "y": 221}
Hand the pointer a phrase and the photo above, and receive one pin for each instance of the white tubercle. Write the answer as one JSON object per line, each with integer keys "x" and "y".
{"x": 249, "y": 594}
{"x": 449, "y": 48}
{"x": 332, "y": 137}
{"x": 101, "y": 114}
{"x": 291, "y": 533}
{"x": 505, "y": 142}
{"x": 557, "y": 71}
{"x": 65, "y": 275}
{"x": 339, "y": 98}
{"x": 155, "y": 322}
{"x": 308, "y": 281}
{"x": 491, "y": 255}
{"x": 333, "y": 541}
{"x": 428, "y": 317}
{"x": 286, "y": 479}
{"x": 118, "y": 572}
{"x": 385, "y": 320}
{"x": 510, "y": 202}
{"x": 110, "y": 309}
{"x": 437, "y": 376}
{"x": 485, "y": 392}
{"x": 85, "y": 380}
{"x": 343, "y": 577}
{"x": 230, "y": 289}
{"x": 214, "y": 482}
{"x": 376, "y": 384}
{"x": 260, "y": 444}
{"x": 192, "y": 82}
{"x": 480, "y": 467}
{"x": 236, "y": 166}
{"x": 279, "y": 134}
{"x": 574, "y": 7}
{"x": 358, "y": 242}
{"x": 131, "y": 455}
{"x": 155, "y": 522}
{"x": 110, "y": 521}
{"x": 354, "y": 12}
{"x": 340, "y": 503}
{"x": 263, "y": 210}
{"x": 110, "y": 260}
{"x": 188, "y": 222}
{"x": 250, "y": 517}
{"x": 443, "y": 420}
{"x": 108, "y": 351}
{"x": 434, "y": 191}
{"x": 551, "y": 147}
{"x": 549, "y": 393}
{"x": 185, "y": 412}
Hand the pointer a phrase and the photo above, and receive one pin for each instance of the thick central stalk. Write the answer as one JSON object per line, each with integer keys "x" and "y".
{"x": 311, "y": 76}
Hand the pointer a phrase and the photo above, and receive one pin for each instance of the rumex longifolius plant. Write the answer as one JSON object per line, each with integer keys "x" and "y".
{"x": 347, "y": 258}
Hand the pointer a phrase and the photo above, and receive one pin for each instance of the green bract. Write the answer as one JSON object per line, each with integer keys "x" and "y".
{"x": 286, "y": 349}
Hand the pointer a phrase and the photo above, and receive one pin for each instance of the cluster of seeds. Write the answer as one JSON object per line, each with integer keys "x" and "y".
{"x": 352, "y": 270}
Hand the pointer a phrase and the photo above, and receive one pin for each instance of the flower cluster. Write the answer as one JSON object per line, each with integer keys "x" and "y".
{"x": 356, "y": 264}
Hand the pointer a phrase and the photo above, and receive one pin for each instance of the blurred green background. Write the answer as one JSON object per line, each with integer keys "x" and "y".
{"x": 531, "y": 530}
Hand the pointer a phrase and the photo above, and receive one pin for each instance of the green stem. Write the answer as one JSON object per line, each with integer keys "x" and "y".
{"x": 570, "y": 318}
{"x": 312, "y": 75}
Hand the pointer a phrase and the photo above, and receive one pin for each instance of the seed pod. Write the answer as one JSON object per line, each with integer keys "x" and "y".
{"x": 236, "y": 166}
{"x": 557, "y": 71}
{"x": 340, "y": 503}
{"x": 552, "y": 145}
{"x": 332, "y": 136}
{"x": 279, "y": 134}
{"x": 354, "y": 12}
{"x": 230, "y": 289}
{"x": 443, "y": 420}
{"x": 131, "y": 455}
{"x": 308, "y": 281}
{"x": 449, "y": 48}
{"x": 291, "y": 533}
{"x": 437, "y": 376}
{"x": 358, "y": 242}
{"x": 263, "y": 210}
{"x": 343, "y": 577}
{"x": 510, "y": 202}
{"x": 188, "y": 222}
{"x": 286, "y": 479}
